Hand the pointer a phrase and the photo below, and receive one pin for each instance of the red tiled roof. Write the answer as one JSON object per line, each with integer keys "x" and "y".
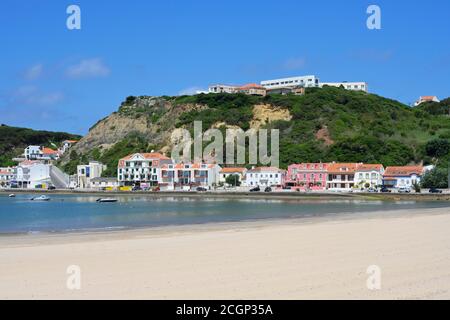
{"x": 403, "y": 171}
{"x": 46, "y": 150}
{"x": 251, "y": 86}
{"x": 232, "y": 170}
{"x": 342, "y": 167}
{"x": 369, "y": 167}
{"x": 428, "y": 98}
{"x": 148, "y": 156}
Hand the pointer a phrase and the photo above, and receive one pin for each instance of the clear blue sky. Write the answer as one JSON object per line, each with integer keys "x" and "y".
{"x": 56, "y": 79}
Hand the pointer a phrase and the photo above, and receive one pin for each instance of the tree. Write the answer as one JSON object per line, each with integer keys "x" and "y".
{"x": 437, "y": 148}
{"x": 233, "y": 180}
{"x": 436, "y": 178}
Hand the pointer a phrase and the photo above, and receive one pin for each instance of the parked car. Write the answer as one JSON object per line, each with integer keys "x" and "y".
{"x": 256, "y": 189}
{"x": 201, "y": 189}
{"x": 435, "y": 190}
{"x": 372, "y": 190}
{"x": 136, "y": 188}
{"x": 268, "y": 189}
{"x": 51, "y": 188}
{"x": 385, "y": 190}
{"x": 404, "y": 190}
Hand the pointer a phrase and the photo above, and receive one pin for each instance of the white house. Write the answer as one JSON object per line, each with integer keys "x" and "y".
{"x": 264, "y": 177}
{"x": 40, "y": 153}
{"x": 354, "y": 86}
{"x": 223, "y": 88}
{"x": 369, "y": 174}
{"x": 85, "y": 173}
{"x": 341, "y": 176}
{"x": 141, "y": 168}
{"x": 189, "y": 175}
{"x": 302, "y": 81}
{"x": 226, "y": 172}
{"x": 6, "y": 176}
{"x": 406, "y": 176}
{"x": 66, "y": 145}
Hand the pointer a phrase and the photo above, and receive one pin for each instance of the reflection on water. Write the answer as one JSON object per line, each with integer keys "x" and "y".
{"x": 81, "y": 212}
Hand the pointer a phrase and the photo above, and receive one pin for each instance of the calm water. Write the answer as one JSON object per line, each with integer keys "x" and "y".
{"x": 77, "y": 213}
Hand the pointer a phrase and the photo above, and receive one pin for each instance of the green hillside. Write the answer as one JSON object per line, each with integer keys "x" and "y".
{"x": 328, "y": 124}
{"x": 13, "y": 140}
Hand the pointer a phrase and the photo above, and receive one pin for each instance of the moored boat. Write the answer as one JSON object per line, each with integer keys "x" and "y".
{"x": 41, "y": 198}
{"x": 103, "y": 200}
{"x": 12, "y": 195}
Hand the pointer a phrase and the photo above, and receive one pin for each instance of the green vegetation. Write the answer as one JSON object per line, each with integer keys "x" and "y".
{"x": 233, "y": 180}
{"x": 14, "y": 140}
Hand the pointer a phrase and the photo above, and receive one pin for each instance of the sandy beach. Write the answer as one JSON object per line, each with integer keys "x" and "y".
{"x": 284, "y": 259}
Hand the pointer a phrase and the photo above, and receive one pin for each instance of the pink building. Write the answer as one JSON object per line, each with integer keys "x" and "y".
{"x": 307, "y": 176}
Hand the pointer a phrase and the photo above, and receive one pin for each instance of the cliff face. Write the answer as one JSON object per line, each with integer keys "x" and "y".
{"x": 155, "y": 118}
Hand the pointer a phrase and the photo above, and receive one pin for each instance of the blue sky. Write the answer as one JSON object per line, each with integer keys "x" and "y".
{"x": 57, "y": 79}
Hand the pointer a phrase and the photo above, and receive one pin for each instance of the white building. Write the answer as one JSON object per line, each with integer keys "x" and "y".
{"x": 66, "y": 145}
{"x": 100, "y": 183}
{"x": 341, "y": 176}
{"x": 40, "y": 153}
{"x": 189, "y": 175}
{"x": 403, "y": 177}
{"x": 354, "y": 86}
{"x": 226, "y": 172}
{"x": 32, "y": 174}
{"x": 141, "y": 168}
{"x": 6, "y": 176}
{"x": 426, "y": 99}
{"x": 369, "y": 174}
{"x": 223, "y": 88}
{"x": 264, "y": 177}
{"x": 85, "y": 173}
{"x": 302, "y": 81}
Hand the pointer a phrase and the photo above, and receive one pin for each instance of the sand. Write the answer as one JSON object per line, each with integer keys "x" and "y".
{"x": 287, "y": 259}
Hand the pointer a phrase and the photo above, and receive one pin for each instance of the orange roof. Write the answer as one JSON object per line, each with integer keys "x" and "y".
{"x": 369, "y": 167}
{"x": 342, "y": 167}
{"x": 403, "y": 171}
{"x": 148, "y": 156}
{"x": 5, "y": 172}
{"x": 232, "y": 170}
{"x": 428, "y": 98}
{"x": 46, "y": 150}
{"x": 71, "y": 141}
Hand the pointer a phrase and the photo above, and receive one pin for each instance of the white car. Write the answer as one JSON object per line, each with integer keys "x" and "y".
{"x": 404, "y": 190}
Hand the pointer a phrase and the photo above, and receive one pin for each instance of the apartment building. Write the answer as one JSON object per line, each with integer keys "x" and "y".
{"x": 6, "y": 176}
{"x": 188, "y": 175}
{"x": 341, "y": 176}
{"x": 252, "y": 89}
{"x": 141, "y": 168}
{"x": 85, "y": 174}
{"x": 369, "y": 175}
{"x": 302, "y": 81}
{"x": 307, "y": 176}
{"x": 223, "y": 88}
{"x": 354, "y": 86}
{"x": 264, "y": 177}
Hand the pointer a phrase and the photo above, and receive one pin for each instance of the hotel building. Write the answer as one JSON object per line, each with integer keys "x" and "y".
{"x": 264, "y": 177}
{"x": 341, "y": 176}
{"x": 405, "y": 176}
{"x": 188, "y": 175}
{"x": 302, "y": 81}
{"x": 141, "y": 168}
{"x": 369, "y": 174}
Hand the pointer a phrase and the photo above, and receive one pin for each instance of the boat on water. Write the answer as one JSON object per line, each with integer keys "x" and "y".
{"x": 103, "y": 200}
{"x": 12, "y": 195}
{"x": 41, "y": 198}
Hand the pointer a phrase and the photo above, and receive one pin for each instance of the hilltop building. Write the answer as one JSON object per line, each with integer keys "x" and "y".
{"x": 423, "y": 99}
{"x": 354, "y": 86}
{"x": 302, "y": 81}
{"x": 40, "y": 153}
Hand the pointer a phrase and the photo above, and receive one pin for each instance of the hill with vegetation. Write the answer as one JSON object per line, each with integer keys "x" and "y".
{"x": 14, "y": 140}
{"x": 327, "y": 124}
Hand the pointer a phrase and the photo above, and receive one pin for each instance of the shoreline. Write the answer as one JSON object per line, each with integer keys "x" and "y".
{"x": 320, "y": 258}
{"x": 247, "y": 195}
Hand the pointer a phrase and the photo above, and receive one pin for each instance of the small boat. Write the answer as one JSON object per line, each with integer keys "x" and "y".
{"x": 106, "y": 200}
{"x": 41, "y": 198}
{"x": 12, "y": 195}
